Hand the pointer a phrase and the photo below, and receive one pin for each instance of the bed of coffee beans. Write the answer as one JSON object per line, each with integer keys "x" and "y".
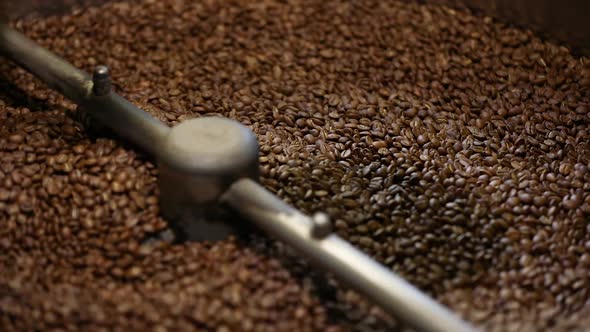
{"x": 450, "y": 147}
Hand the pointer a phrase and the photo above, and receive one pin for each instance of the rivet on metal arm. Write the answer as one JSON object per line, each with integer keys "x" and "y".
{"x": 322, "y": 226}
{"x": 101, "y": 80}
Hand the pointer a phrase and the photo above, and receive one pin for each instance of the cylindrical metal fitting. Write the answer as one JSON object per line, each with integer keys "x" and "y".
{"x": 101, "y": 81}
{"x": 198, "y": 160}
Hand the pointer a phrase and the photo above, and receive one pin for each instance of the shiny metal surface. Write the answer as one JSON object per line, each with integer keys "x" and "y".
{"x": 211, "y": 146}
{"x": 347, "y": 263}
{"x": 54, "y": 71}
{"x": 126, "y": 120}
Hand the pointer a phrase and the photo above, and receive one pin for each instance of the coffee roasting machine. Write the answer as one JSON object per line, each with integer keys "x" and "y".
{"x": 211, "y": 163}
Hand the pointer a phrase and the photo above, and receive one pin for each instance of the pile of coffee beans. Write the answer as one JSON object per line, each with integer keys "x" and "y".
{"x": 452, "y": 148}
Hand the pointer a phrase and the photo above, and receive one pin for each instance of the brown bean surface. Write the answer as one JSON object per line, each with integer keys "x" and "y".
{"x": 450, "y": 147}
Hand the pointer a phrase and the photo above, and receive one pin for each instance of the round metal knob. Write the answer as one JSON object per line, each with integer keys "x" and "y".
{"x": 199, "y": 159}
{"x": 211, "y": 146}
{"x": 101, "y": 79}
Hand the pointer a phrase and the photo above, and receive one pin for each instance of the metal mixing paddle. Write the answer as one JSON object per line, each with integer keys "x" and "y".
{"x": 212, "y": 162}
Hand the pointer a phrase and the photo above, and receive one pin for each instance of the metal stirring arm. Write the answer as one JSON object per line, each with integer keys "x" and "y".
{"x": 107, "y": 107}
{"x": 207, "y": 161}
{"x": 312, "y": 238}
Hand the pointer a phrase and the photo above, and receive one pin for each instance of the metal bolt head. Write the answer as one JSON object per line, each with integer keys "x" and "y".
{"x": 101, "y": 71}
{"x": 321, "y": 227}
{"x": 101, "y": 80}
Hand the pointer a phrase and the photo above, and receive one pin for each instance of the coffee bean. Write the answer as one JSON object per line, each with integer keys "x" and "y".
{"x": 525, "y": 197}
{"x": 16, "y": 138}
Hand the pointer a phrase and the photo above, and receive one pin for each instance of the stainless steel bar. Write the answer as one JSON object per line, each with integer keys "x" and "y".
{"x": 57, "y": 73}
{"x": 111, "y": 110}
{"x": 127, "y": 120}
{"x": 335, "y": 255}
